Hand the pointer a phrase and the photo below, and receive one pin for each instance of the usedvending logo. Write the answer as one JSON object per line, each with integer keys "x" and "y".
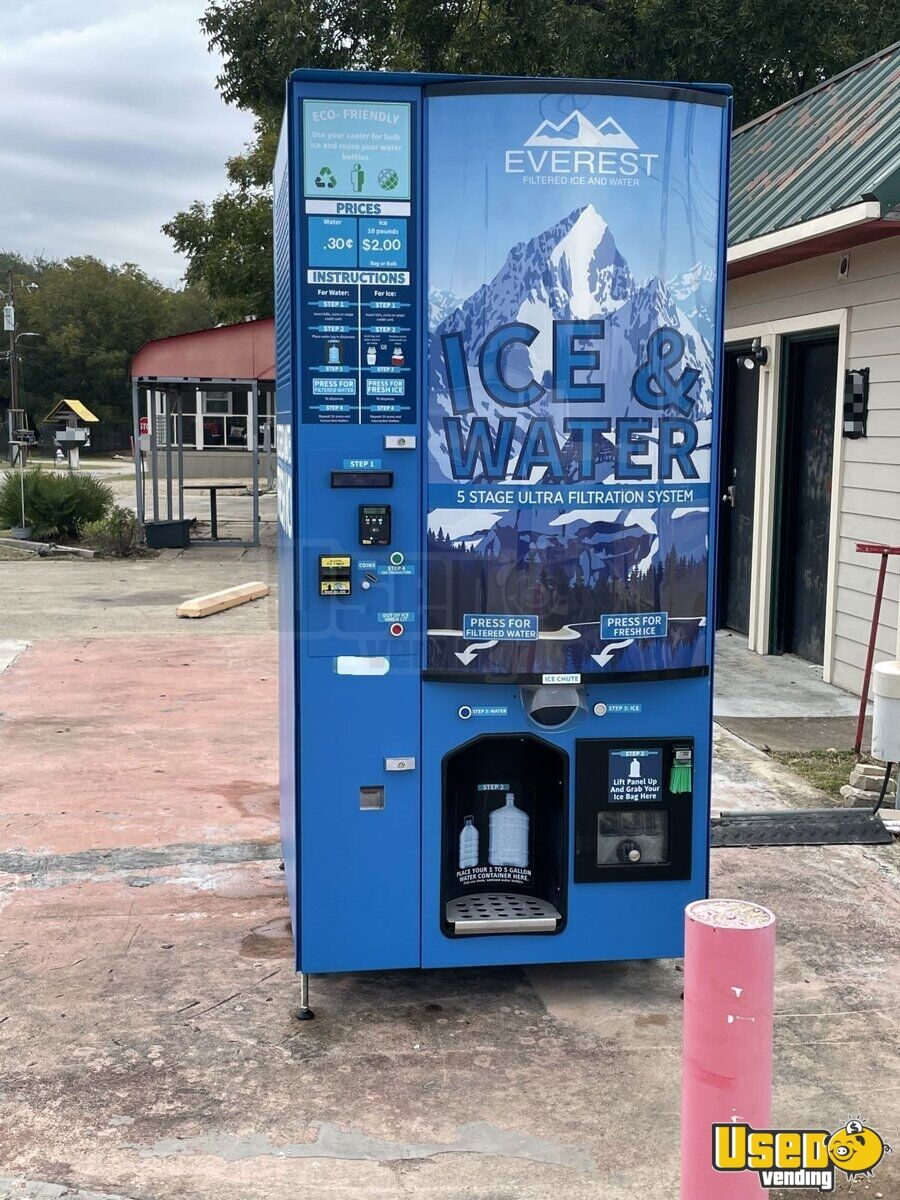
{"x": 575, "y": 150}
{"x": 799, "y": 1159}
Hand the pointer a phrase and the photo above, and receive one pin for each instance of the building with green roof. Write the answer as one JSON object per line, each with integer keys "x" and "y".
{"x": 811, "y": 414}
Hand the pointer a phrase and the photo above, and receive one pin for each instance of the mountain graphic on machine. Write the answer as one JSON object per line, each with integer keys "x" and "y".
{"x": 578, "y": 130}
{"x": 572, "y": 564}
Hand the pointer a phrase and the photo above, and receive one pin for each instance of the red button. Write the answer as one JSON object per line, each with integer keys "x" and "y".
{"x": 396, "y": 630}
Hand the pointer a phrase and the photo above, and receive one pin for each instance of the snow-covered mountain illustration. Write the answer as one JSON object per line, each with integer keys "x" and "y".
{"x": 695, "y": 294}
{"x": 440, "y": 304}
{"x": 569, "y": 564}
{"x": 573, "y": 270}
{"x": 577, "y": 130}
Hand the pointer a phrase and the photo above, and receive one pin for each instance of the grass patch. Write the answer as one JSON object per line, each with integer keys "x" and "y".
{"x": 828, "y": 770}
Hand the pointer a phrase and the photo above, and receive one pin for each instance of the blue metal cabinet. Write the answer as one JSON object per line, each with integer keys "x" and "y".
{"x": 499, "y": 310}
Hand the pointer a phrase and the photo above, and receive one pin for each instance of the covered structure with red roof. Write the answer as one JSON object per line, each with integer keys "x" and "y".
{"x": 204, "y": 410}
{"x": 214, "y": 374}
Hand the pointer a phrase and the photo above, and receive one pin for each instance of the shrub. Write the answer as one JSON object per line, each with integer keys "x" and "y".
{"x": 56, "y": 506}
{"x": 118, "y": 535}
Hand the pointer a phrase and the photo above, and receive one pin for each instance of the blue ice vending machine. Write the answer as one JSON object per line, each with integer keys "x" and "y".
{"x": 499, "y": 312}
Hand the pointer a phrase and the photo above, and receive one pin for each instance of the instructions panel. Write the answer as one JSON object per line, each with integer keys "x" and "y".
{"x": 358, "y": 287}
{"x": 635, "y": 776}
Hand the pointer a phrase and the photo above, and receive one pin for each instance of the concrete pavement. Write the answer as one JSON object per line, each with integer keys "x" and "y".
{"x": 89, "y": 598}
{"x": 780, "y": 702}
{"x": 148, "y": 1049}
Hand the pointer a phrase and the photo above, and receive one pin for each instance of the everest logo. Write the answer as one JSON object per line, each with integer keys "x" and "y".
{"x": 577, "y": 130}
{"x": 574, "y": 149}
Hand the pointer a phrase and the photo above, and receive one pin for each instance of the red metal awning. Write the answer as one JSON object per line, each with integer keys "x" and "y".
{"x": 232, "y": 352}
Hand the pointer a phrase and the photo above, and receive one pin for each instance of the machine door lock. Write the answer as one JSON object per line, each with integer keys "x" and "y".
{"x": 403, "y": 441}
{"x": 730, "y": 495}
{"x": 400, "y": 764}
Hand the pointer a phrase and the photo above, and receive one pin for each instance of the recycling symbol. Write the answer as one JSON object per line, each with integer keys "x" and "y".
{"x": 325, "y": 178}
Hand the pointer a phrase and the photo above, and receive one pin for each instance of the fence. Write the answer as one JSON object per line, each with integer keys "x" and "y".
{"x": 105, "y": 440}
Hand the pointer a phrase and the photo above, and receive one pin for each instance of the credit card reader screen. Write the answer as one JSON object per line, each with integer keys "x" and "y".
{"x": 374, "y": 524}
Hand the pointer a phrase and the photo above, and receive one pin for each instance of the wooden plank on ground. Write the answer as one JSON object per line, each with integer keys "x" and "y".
{"x": 216, "y": 602}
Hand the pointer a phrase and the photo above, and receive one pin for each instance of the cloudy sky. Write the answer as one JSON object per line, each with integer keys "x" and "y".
{"x": 111, "y": 123}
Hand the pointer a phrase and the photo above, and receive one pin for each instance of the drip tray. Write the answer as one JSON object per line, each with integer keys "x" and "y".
{"x": 501, "y": 912}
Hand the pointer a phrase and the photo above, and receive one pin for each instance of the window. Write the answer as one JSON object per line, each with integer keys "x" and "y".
{"x": 216, "y": 402}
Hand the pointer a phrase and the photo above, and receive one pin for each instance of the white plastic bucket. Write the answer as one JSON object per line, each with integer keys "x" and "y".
{"x": 886, "y": 712}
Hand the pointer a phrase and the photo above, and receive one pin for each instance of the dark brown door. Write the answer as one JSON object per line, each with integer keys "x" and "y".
{"x": 737, "y": 478}
{"x": 806, "y": 459}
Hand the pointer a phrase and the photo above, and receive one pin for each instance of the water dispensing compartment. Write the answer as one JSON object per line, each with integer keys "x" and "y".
{"x": 504, "y": 837}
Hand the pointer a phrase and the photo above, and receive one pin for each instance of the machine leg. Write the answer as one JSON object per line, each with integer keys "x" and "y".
{"x": 304, "y": 1013}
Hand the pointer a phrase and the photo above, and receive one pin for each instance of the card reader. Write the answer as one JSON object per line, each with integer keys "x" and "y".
{"x": 374, "y": 524}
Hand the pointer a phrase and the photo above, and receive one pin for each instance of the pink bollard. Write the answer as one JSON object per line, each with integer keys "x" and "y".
{"x": 729, "y": 992}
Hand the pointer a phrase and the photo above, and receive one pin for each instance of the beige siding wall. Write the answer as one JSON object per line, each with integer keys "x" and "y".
{"x": 870, "y": 472}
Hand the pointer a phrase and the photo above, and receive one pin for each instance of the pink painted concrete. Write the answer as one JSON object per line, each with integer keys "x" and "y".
{"x": 139, "y": 742}
{"x": 729, "y": 988}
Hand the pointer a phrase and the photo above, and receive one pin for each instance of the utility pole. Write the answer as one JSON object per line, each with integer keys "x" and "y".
{"x": 13, "y": 365}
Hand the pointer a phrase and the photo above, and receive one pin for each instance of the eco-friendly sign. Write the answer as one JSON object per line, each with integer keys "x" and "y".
{"x": 359, "y": 286}
{"x": 573, "y": 303}
{"x": 354, "y": 148}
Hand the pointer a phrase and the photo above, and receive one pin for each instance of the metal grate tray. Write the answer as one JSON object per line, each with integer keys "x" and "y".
{"x": 501, "y": 912}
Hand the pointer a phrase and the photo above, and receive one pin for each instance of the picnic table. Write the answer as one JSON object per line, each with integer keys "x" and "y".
{"x": 214, "y": 487}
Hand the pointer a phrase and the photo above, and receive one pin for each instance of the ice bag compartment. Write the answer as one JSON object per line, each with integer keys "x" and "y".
{"x": 629, "y": 838}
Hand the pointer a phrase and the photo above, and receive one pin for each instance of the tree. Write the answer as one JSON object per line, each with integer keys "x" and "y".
{"x": 91, "y": 318}
{"x": 229, "y": 249}
{"x": 769, "y": 50}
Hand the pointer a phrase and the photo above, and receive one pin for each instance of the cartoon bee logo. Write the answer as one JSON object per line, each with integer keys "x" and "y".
{"x": 856, "y": 1150}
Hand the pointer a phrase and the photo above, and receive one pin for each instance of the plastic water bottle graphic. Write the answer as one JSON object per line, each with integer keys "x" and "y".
{"x": 334, "y": 353}
{"x": 509, "y": 835}
{"x": 468, "y": 844}
{"x": 357, "y": 177}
